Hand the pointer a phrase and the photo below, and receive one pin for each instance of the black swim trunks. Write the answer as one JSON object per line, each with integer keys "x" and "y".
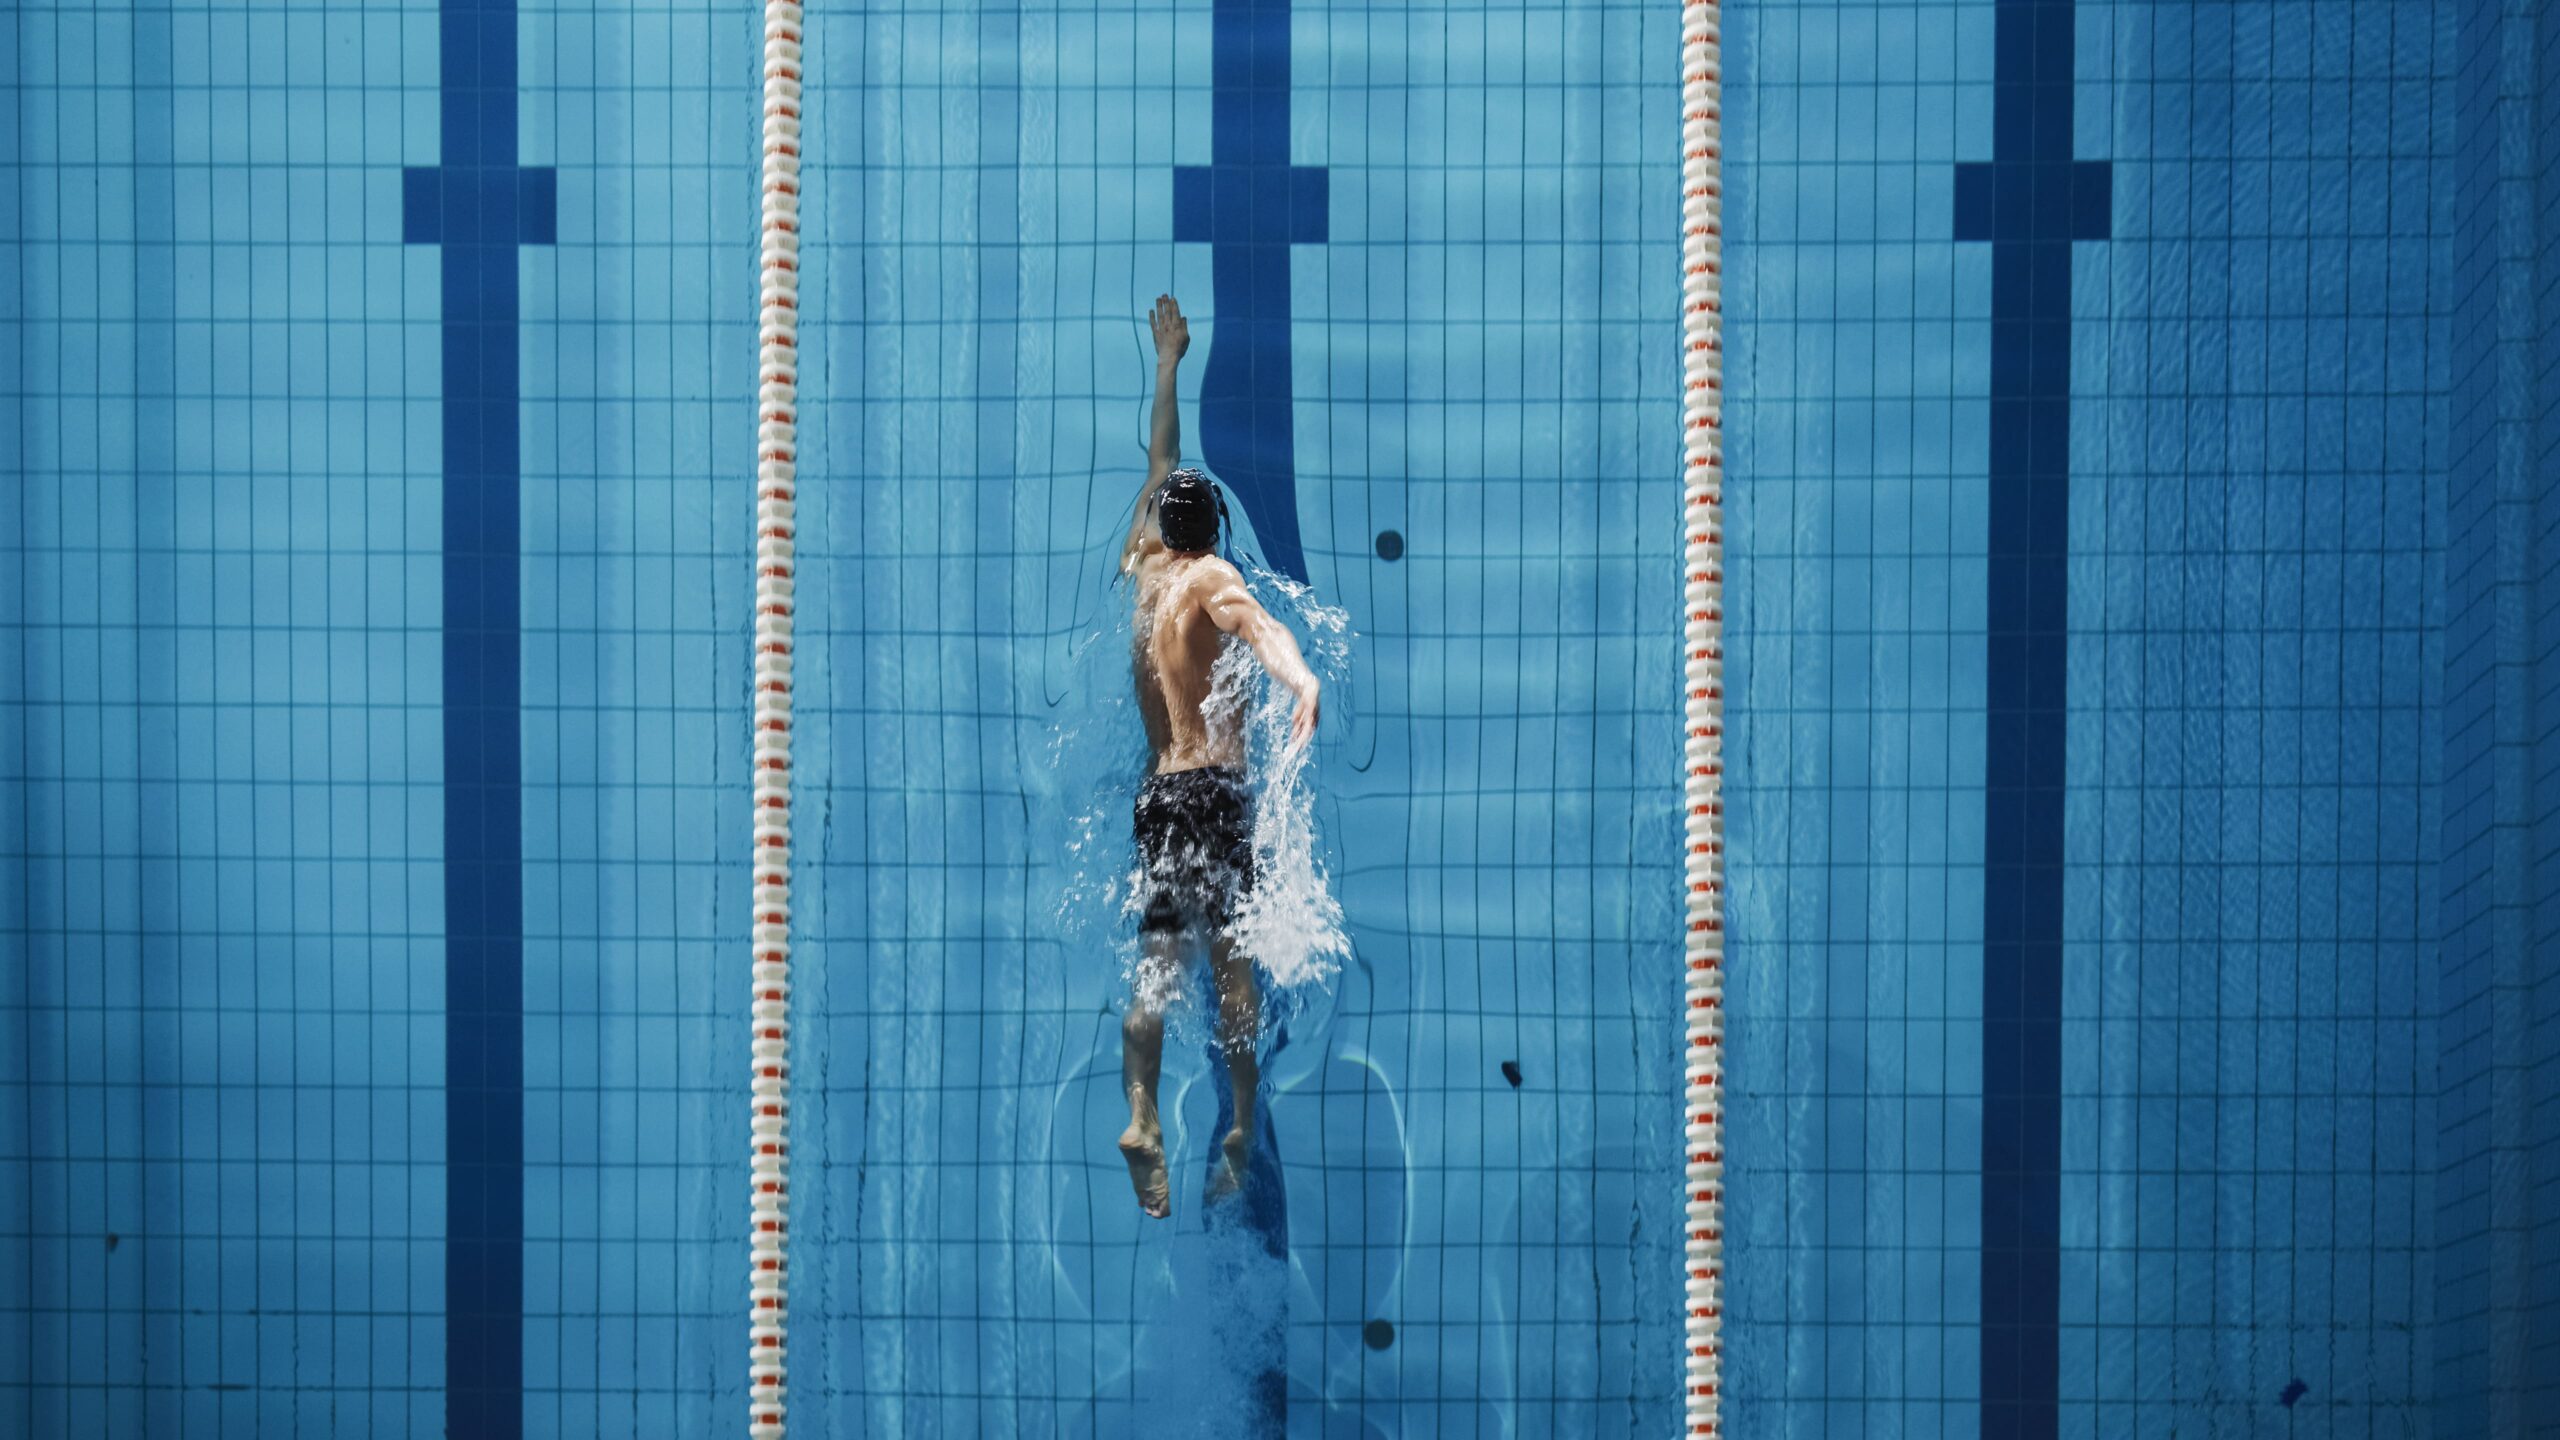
{"x": 1195, "y": 842}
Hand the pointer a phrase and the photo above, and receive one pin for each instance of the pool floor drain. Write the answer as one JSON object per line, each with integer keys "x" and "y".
{"x": 1378, "y": 1334}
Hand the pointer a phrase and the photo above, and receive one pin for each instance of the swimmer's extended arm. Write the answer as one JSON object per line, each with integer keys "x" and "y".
{"x": 1164, "y": 444}
{"x": 1233, "y": 609}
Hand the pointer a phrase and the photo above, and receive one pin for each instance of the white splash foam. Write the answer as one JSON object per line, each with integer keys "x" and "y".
{"x": 1291, "y": 924}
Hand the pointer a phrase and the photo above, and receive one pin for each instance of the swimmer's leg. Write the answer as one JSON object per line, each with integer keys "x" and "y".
{"x": 1240, "y": 1036}
{"x": 1142, "y": 1062}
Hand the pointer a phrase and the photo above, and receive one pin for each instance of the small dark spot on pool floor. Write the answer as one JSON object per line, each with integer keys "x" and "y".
{"x": 1511, "y": 1072}
{"x": 1390, "y": 545}
{"x": 1378, "y": 1334}
{"x": 2293, "y": 1392}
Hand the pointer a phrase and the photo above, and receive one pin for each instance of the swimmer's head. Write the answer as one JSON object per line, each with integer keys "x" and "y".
{"x": 1188, "y": 511}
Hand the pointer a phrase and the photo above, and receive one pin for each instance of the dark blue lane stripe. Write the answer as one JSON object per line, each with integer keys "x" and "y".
{"x": 2030, "y": 201}
{"x": 1250, "y": 205}
{"x": 480, "y": 206}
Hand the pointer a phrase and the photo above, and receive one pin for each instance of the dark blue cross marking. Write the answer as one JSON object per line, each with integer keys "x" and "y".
{"x": 1250, "y": 205}
{"x": 2031, "y": 201}
{"x": 480, "y": 205}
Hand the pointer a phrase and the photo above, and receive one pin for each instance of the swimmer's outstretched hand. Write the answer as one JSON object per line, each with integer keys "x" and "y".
{"x": 1302, "y": 722}
{"x": 1173, "y": 333}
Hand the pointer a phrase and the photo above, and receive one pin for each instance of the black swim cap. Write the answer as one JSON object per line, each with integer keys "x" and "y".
{"x": 1188, "y": 510}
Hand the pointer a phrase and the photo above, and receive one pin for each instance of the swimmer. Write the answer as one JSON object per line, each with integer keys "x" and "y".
{"x": 1194, "y": 816}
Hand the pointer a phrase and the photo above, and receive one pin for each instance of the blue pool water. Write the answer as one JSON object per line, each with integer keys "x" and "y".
{"x": 2140, "y": 534}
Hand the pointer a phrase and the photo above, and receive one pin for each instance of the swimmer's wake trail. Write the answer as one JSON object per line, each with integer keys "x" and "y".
{"x": 1222, "y": 1351}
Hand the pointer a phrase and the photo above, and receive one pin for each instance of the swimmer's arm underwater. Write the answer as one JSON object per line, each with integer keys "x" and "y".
{"x": 1164, "y": 446}
{"x": 1233, "y": 609}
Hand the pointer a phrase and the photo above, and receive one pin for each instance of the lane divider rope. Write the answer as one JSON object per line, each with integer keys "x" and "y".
{"x": 777, "y": 486}
{"x": 1702, "y": 608}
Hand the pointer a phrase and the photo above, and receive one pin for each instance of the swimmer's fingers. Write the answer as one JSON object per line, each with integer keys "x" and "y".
{"x": 1173, "y": 333}
{"x": 1302, "y": 724}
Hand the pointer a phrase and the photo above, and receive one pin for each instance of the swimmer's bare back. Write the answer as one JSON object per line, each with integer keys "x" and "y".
{"x": 1174, "y": 650}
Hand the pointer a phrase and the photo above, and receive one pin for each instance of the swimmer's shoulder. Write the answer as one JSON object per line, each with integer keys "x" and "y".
{"x": 1208, "y": 581}
{"x": 1211, "y": 573}
{"x": 1139, "y": 557}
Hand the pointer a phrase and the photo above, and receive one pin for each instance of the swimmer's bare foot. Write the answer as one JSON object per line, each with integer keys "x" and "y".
{"x": 1144, "y": 1150}
{"x": 1235, "y": 1151}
